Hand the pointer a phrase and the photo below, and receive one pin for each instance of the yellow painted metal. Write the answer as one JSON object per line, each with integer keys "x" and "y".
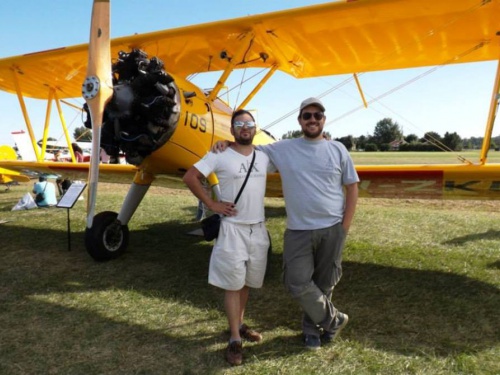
{"x": 232, "y": 61}
{"x": 25, "y": 114}
{"x": 7, "y": 175}
{"x": 360, "y": 90}
{"x": 77, "y": 107}
{"x": 258, "y": 87}
{"x": 65, "y": 128}
{"x": 495, "y": 101}
{"x": 324, "y": 39}
{"x": 47, "y": 124}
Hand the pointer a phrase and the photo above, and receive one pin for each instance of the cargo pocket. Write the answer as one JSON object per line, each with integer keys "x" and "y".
{"x": 340, "y": 235}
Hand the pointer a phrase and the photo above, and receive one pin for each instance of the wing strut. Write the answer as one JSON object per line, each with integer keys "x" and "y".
{"x": 27, "y": 121}
{"x": 97, "y": 90}
{"x": 355, "y": 75}
{"x": 232, "y": 61}
{"x": 258, "y": 87}
{"x": 495, "y": 99}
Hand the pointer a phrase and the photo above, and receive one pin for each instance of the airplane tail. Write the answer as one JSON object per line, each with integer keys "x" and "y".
{"x": 7, "y": 153}
{"x": 7, "y": 176}
{"x": 25, "y": 147}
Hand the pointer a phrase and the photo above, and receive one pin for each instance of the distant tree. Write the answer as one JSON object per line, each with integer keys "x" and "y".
{"x": 496, "y": 140}
{"x": 292, "y": 134}
{"x": 431, "y": 137}
{"x": 411, "y": 138}
{"x": 348, "y": 141}
{"x": 82, "y": 134}
{"x": 473, "y": 143}
{"x": 371, "y": 147}
{"x": 453, "y": 141}
{"x": 386, "y": 131}
{"x": 384, "y": 147}
{"x": 361, "y": 142}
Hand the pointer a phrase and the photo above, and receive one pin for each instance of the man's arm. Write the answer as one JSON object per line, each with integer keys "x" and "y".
{"x": 350, "y": 205}
{"x": 193, "y": 179}
{"x": 220, "y": 146}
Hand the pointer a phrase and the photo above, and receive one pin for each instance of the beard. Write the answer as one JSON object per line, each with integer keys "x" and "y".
{"x": 312, "y": 134}
{"x": 244, "y": 141}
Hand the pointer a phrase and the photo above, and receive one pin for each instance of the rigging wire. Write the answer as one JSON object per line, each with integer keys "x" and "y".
{"x": 239, "y": 90}
{"x": 430, "y": 33}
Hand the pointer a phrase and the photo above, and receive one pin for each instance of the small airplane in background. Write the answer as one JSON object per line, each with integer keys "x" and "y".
{"x": 140, "y": 101}
{"x": 9, "y": 177}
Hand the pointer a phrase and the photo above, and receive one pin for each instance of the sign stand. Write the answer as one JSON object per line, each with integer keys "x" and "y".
{"x": 68, "y": 200}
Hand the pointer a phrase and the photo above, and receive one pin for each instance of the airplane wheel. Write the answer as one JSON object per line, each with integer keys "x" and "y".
{"x": 107, "y": 239}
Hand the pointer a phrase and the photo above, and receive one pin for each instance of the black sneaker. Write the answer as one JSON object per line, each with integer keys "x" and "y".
{"x": 312, "y": 342}
{"x": 234, "y": 353}
{"x": 340, "y": 322}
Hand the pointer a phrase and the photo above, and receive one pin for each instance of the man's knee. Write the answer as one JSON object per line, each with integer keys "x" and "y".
{"x": 298, "y": 290}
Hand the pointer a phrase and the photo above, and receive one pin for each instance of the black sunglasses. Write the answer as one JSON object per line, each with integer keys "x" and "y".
{"x": 317, "y": 115}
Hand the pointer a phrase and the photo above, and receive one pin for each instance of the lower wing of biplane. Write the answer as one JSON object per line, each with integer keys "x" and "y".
{"x": 147, "y": 109}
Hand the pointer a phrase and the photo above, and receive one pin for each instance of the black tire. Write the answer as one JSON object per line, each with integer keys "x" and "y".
{"x": 107, "y": 239}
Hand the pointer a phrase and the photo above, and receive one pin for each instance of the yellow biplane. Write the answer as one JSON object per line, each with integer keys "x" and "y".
{"x": 8, "y": 177}
{"x": 142, "y": 104}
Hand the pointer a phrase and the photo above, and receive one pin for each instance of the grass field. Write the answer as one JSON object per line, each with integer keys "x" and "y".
{"x": 421, "y": 285}
{"x": 370, "y": 158}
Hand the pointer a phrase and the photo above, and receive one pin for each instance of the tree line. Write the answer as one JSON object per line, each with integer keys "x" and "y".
{"x": 388, "y": 136}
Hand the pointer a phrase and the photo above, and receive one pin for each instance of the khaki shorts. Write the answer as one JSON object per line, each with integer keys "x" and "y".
{"x": 239, "y": 256}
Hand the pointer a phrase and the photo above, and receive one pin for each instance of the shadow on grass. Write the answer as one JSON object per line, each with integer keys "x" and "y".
{"x": 391, "y": 309}
{"x": 488, "y": 235}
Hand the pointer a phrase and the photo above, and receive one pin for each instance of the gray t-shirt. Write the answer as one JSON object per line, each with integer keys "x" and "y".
{"x": 313, "y": 174}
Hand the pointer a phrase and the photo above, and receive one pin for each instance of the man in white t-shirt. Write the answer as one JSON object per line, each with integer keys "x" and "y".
{"x": 239, "y": 256}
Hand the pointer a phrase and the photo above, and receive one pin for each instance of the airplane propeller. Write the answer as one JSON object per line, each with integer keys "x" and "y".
{"x": 97, "y": 90}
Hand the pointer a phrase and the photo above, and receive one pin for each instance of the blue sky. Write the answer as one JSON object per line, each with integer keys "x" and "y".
{"x": 449, "y": 99}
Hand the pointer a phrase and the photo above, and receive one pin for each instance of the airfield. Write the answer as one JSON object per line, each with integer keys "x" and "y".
{"x": 421, "y": 278}
{"x": 421, "y": 285}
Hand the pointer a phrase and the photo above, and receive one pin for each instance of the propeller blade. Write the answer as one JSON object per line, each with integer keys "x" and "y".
{"x": 97, "y": 90}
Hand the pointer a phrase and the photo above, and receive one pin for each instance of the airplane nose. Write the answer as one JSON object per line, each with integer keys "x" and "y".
{"x": 144, "y": 111}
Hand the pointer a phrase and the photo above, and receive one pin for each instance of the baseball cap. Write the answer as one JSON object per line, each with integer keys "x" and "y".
{"x": 312, "y": 101}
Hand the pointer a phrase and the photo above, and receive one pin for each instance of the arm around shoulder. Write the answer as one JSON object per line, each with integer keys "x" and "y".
{"x": 220, "y": 146}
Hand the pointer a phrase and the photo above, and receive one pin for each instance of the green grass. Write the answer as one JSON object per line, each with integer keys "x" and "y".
{"x": 421, "y": 286}
{"x": 395, "y": 157}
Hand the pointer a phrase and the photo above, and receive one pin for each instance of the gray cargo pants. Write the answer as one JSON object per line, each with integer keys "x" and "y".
{"x": 312, "y": 266}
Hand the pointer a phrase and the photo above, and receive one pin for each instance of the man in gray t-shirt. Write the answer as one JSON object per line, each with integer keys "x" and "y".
{"x": 320, "y": 189}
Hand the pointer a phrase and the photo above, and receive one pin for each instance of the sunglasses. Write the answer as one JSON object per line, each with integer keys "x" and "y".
{"x": 240, "y": 124}
{"x": 317, "y": 115}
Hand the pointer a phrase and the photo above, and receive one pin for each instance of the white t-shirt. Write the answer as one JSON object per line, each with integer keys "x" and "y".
{"x": 231, "y": 168}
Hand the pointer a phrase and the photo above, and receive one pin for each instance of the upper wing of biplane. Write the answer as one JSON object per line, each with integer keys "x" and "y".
{"x": 333, "y": 38}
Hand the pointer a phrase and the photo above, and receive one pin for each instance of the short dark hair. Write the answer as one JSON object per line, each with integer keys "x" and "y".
{"x": 42, "y": 178}
{"x": 240, "y": 112}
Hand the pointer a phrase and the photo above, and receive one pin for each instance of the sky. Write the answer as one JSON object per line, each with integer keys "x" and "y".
{"x": 452, "y": 98}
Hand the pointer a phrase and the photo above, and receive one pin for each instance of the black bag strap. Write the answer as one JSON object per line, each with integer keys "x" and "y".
{"x": 246, "y": 179}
